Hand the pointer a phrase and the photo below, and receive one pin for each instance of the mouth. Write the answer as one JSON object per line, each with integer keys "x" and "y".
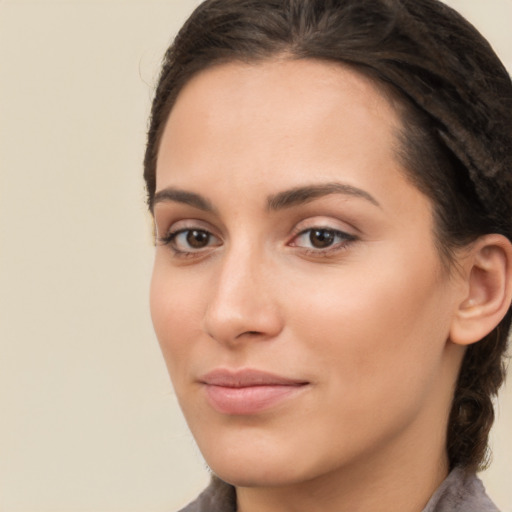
{"x": 247, "y": 392}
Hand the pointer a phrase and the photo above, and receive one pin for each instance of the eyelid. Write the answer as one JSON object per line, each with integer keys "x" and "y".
{"x": 168, "y": 216}
{"x": 169, "y": 238}
{"x": 165, "y": 227}
{"x": 346, "y": 236}
{"x": 323, "y": 222}
{"x": 343, "y": 237}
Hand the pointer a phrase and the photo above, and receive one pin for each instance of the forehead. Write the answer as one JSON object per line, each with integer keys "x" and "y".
{"x": 277, "y": 111}
{"x": 267, "y": 78}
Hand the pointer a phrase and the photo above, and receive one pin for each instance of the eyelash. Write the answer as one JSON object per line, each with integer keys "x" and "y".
{"x": 169, "y": 240}
{"x": 335, "y": 247}
{"x": 346, "y": 239}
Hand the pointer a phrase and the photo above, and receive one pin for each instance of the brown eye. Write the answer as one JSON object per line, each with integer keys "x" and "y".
{"x": 321, "y": 238}
{"x": 197, "y": 239}
{"x": 191, "y": 240}
{"x": 320, "y": 241}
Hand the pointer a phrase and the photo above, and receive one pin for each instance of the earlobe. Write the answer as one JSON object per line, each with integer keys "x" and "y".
{"x": 488, "y": 290}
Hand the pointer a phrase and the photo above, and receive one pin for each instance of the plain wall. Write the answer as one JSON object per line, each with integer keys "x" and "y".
{"x": 88, "y": 418}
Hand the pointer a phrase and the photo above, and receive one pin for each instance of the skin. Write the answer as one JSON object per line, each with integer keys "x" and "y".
{"x": 365, "y": 322}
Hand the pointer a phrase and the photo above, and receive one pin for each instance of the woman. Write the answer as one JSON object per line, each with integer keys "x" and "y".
{"x": 331, "y": 187}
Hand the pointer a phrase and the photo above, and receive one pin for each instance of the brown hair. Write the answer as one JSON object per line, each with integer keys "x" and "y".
{"x": 455, "y": 99}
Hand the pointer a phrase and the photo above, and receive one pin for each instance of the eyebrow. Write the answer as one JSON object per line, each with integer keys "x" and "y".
{"x": 301, "y": 195}
{"x": 171, "y": 194}
{"x": 286, "y": 199}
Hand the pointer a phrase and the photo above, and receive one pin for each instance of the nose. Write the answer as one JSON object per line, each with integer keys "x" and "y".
{"x": 244, "y": 302}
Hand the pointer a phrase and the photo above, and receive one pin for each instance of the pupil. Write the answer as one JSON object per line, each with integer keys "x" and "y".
{"x": 197, "y": 239}
{"x": 321, "y": 238}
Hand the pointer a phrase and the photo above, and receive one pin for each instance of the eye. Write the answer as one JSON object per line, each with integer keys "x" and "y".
{"x": 319, "y": 239}
{"x": 184, "y": 241}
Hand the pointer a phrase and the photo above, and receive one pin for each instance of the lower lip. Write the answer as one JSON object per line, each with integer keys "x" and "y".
{"x": 249, "y": 400}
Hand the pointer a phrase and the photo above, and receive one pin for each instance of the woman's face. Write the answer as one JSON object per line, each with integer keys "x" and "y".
{"x": 297, "y": 294}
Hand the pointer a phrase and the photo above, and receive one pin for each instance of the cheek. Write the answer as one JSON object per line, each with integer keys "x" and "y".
{"x": 175, "y": 307}
{"x": 377, "y": 333}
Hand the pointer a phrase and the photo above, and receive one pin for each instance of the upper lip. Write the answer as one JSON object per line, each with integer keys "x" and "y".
{"x": 247, "y": 378}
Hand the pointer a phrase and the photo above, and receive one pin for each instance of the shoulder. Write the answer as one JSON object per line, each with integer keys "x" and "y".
{"x": 461, "y": 492}
{"x": 217, "y": 497}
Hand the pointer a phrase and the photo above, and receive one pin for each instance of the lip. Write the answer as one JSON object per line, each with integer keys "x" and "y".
{"x": 247, "y": 392}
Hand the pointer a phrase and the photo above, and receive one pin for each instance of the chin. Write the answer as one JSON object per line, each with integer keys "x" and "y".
{"x": 253, "y": 461}
{"x": 262, "y": 461}
{"x": 260, "y": 474}
{"x": 247, "y": 478}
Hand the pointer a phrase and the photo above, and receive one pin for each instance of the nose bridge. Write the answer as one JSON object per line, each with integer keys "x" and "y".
{"x": 242, "y": 301}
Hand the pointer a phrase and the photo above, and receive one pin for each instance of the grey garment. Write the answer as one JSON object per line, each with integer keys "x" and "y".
{"x": 460, "y": 492}
{"x": 217, "y": 497}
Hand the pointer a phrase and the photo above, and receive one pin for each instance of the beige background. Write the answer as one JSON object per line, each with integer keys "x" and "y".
{"x": 88, "y": 419}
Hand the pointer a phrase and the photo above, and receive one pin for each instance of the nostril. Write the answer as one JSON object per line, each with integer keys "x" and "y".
{"x": 250, "y": 334}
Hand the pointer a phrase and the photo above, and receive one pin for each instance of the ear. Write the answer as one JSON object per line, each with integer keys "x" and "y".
{"x": 487, "y": 271}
